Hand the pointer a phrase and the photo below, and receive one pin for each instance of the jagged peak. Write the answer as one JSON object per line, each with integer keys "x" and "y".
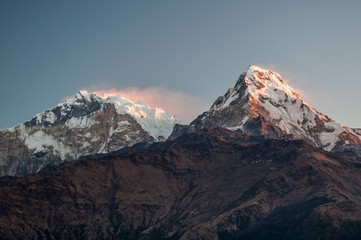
{"x": 259, "y": 82}
{"x": 82, "y": 97}
{"x": 268, "y": 84}
{"x": 123, "y": 105}
{"x": 117, "y": 98}
{"x": 261, "y": 102}
{"x": 137, "y": 109}
{"x": 83, "y": 94}
{"x": 264, "y": 80}
{"x": 263, "y": 92}
{"x": 254, "y": 68}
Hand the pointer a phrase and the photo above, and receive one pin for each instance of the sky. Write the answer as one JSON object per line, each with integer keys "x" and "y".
{"x": 189, "y": 52}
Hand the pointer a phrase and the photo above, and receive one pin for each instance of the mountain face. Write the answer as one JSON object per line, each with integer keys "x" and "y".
{"x": 262, "y": 103}
{"x": 82, "y": 125}
{"x": 212, "y": 184}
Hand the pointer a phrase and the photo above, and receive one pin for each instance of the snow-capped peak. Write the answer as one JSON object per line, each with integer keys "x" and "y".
{"x": 81, "y": 125}
{"x": 155, "y": 121}
{"x": 158, "y": 123}
{"x": 266, "y": 84}
{"x": 261, "y": 86}
{"x": 258, "y": 78}
{"x": 84, "y": 94}
{"x": 263, "y": 103}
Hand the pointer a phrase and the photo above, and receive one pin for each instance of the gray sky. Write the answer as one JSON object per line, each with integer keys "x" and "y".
{"x": 194, "y": 49}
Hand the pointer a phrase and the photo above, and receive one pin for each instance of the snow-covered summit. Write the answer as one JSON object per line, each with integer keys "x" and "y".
{"x": 76, "y": 110}
{"x": 262, "y": 103}
{"x": 83, "y": 124}
{"x": 266, "y": 89}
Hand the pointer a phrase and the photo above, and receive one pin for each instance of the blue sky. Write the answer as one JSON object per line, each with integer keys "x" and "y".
{"x": 52, "y": 49}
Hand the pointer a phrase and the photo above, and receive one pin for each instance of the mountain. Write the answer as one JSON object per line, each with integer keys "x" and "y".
{"x": 260, "y": 164}
{"x": 262, "y": 103}
{"x": 211, "y": 184}
{"x": 82, "y": 125}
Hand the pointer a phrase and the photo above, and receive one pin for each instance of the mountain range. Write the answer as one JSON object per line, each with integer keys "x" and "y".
{"x": 261, "y": 103}
{"x": 261, "y": 163}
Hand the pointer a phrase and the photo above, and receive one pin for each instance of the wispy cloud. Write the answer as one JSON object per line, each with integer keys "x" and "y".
{"x": 184, "y": 106}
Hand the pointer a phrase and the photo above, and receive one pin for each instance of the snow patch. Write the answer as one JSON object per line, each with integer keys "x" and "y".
{"x": 127, "y": 138}
{"x": 240, "y": 126}
{"x": 12, "y": 129}
{"x": 40, "y": 141}
{"x": 50, "y": 117}
{"x": 81, "y": 122}
{"x": 331, "y": 136}
{"x": 123, "y": 123}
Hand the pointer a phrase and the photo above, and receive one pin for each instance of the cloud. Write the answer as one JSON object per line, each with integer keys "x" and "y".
{"x": 184, "y": 106}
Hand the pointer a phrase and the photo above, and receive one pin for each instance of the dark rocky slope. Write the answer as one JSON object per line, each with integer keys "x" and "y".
{"x": 214, "y": 184}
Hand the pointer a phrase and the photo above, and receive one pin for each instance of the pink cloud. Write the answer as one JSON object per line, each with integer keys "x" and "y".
{"x": 184, "y": 106}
